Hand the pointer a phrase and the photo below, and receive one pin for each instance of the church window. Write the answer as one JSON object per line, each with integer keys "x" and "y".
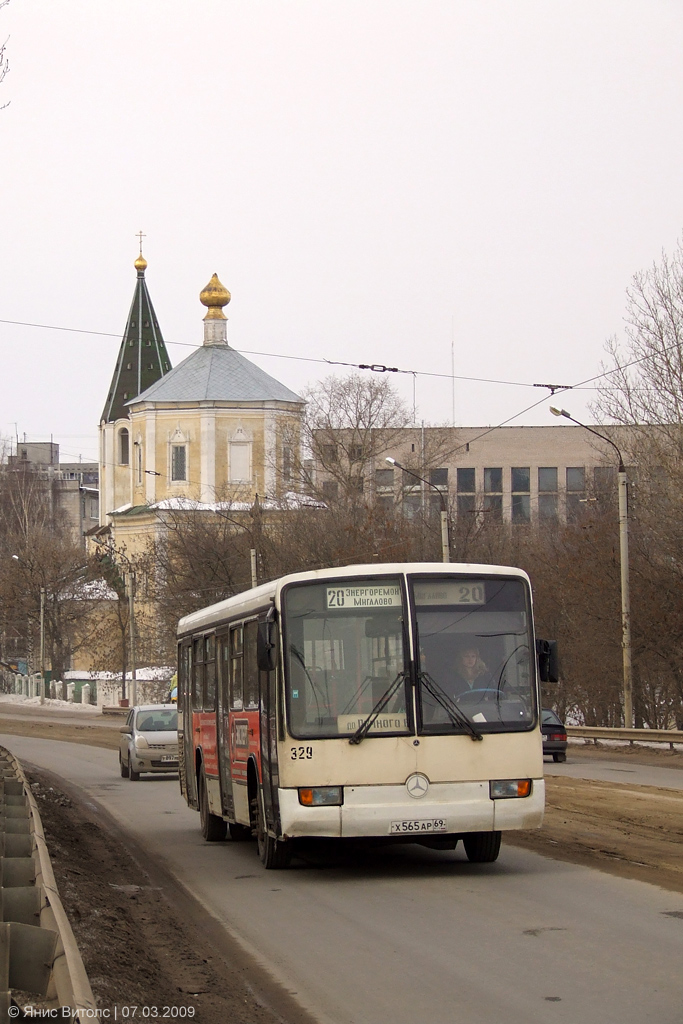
{"x": 178, "y": 462}
{"x": 124, "y": 447}
{"x": 129, "y": 366}
{"x": 240, "y": 458}
{"x": 287, "y": 464}
{"x": 131, "y": 343}
{"x": 138, "y": 449}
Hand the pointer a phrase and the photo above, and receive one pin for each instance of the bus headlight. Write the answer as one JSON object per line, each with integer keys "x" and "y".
{"x": 321, "y": 796}
{"x": 506, "y": 789}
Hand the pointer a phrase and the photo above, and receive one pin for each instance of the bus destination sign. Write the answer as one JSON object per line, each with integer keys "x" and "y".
{"x": 449, "y": 592}
{"x": 364, "y": 596}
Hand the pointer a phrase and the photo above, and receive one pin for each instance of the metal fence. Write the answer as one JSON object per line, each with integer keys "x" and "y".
{"x": 589, "y": 732}
{"x": 39, "y": 957}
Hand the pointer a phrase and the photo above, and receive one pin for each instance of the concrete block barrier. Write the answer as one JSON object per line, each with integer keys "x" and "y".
{"x": 39, "y": 958}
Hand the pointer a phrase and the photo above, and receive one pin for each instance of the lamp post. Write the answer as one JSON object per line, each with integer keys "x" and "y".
{"x": 130, "y": 586}
{"x": 445, "y": 537}
{"x": 42, "y": 645}
{"x": 623, "y": 559}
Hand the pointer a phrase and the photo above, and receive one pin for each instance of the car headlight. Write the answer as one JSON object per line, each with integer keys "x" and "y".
{"x": 507, "y": 789}
{"x": 321, "y": 796}
{"x": 141, "y": 742}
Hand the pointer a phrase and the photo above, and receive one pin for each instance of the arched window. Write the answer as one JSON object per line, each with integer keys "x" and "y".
{"x": 178, "y": 444}
{"x": 124, "y": 447}
{"x": 240, "y": 468}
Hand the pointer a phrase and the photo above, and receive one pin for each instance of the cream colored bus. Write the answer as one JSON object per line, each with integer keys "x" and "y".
{"x": 397, "y": 702}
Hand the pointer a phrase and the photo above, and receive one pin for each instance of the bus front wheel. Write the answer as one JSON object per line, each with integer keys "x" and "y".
{"x": 213, "y": 827}
{"x": 482, "y": 847}
{"x": 274, "y": 853}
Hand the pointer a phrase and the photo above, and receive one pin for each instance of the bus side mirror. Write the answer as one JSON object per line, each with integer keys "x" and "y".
{"x": 548, "y": 667}
{"x": 266, "y": 646}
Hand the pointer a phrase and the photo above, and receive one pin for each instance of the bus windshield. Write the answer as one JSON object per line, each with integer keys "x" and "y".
{"x": 474, "y": 649}
{"x": 344, "y": 648}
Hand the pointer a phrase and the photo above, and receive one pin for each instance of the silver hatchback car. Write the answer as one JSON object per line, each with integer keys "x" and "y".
{"x": 149, "y": 741}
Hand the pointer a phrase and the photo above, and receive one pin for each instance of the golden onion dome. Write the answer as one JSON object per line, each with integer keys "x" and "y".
{"x": 214, "y": 297}
{"x": 140, "y": 263}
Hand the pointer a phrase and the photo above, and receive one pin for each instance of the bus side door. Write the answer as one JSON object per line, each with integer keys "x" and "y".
{"x": 223, "y": 724}
{"x": 185, "y": 737}
{"x": 268, "y": 745}
{"x": 239, "y": 727}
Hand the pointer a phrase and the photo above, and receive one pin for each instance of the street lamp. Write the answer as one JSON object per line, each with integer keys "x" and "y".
{"x": 445, "y": 538}
{"x": 623, "y": 559}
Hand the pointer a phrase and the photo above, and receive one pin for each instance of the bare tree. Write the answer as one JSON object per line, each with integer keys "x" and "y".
{"x": 4, "y": 62}
{"x": 349, "y": 422}
{"x": 643, "y": 388}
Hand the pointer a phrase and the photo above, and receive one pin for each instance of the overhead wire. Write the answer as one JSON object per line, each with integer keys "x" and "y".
{"x": 374, "y": 367}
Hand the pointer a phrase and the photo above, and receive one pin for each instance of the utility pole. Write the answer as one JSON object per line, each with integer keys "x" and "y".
{"x": 623, "y": 561}
{"x": 42, "y": 645}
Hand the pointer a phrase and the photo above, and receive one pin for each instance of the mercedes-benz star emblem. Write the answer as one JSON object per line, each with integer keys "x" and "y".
{"x": 417, "y": 785}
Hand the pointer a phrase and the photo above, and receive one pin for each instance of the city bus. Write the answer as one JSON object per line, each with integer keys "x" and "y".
{"x": 394, "y": 703}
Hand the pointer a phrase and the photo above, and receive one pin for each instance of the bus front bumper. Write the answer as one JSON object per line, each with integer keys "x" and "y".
{"x": 379, "y": 811}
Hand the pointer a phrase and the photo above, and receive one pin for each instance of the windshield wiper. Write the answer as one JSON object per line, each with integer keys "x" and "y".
{"x": 450, "y": 707}
{"x": 314, "y": 689}
{"x": 365, "y": 726}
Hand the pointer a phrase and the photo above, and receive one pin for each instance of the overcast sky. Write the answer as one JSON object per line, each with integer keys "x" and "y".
{"x": 373, "y": 181}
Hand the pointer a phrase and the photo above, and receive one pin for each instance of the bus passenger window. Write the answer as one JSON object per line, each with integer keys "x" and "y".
{"x": 236, "y": 683}
{"x": 184, "y": 663}
{"x": 251, "y": 694}
{"x": 210, "y": 673}
{"x": 223, "y": 663}
{"x": 198, "y": 675}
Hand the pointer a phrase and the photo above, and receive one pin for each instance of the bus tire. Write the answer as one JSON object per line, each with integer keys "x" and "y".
{"x": 273, "y": 853}
{"x": 482, "y": 847}
{"x": 239, "y": 833}
{"x": 213, "y": 828}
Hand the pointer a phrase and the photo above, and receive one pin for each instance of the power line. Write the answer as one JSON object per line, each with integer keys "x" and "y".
{"x": 374, "y": 367}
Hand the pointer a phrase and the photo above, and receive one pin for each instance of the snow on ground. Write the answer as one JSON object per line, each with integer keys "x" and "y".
{"x": 51, "y": 704}
{"x": 580, "y": 741}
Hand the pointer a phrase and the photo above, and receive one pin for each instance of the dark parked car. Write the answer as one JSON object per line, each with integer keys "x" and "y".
{"x": 554, "y": 735}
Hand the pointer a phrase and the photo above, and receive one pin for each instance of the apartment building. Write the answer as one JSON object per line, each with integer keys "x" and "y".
{"x": 512, "y": 474}
{"x": 72, "y": 486}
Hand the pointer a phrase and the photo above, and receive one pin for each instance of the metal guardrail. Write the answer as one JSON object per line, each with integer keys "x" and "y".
{"x": 39, "y": 957}
{"x": 590, "y": 732}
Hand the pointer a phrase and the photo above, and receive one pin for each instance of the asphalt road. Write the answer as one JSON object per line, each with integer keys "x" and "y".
{"x": 408, "y": 935}
{"x": 616, "y": 771}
